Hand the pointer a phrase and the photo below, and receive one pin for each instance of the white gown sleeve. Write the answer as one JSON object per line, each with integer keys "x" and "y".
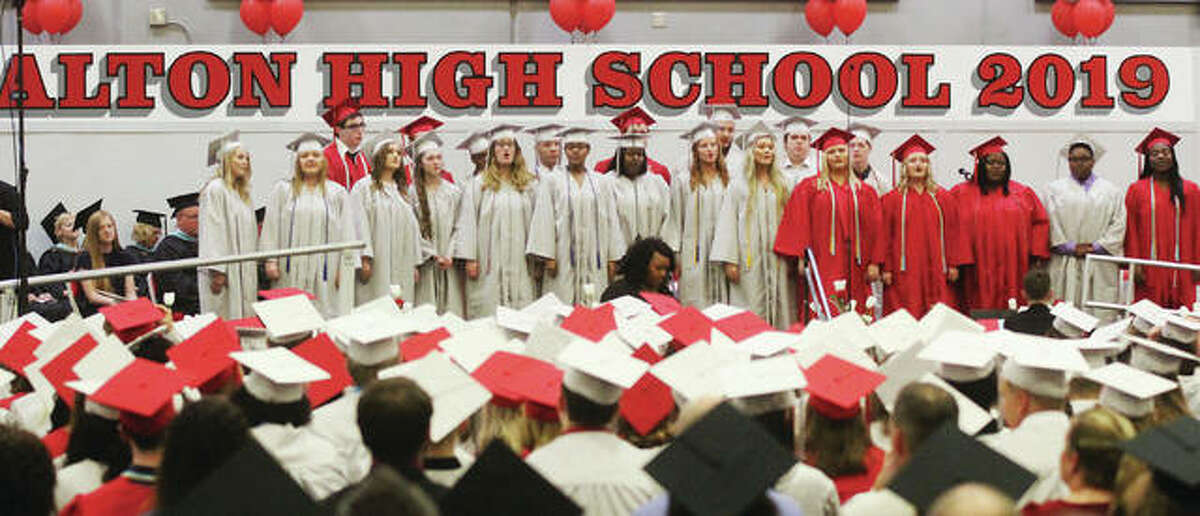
{"x": 214, "y": 228}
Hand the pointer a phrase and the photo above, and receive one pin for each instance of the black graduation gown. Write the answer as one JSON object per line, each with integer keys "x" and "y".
{"x": 117, "y": 258}
{"x": 1037, "y": 320}
{"x": 182, "y": 282}
{"x": 51, "y": 262}
{"x": 142, "y": 255}
{"x": 10, "y": 202}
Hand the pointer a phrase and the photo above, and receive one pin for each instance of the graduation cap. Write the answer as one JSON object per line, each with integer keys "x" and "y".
{"x": 277, "y": 375}
{"x": 912, "y": 145}
{"x": 421, "y": 344}
{"x": 204, "y": 356}
{"x": 150, "y": 218}
{"x": 18, "y": 351}
{"x": 143, "y": 392}
{"x": 180, "y": 202}
{"x": 472, "y": 346}
{"x": 282, "y": 292}
{"x": 895, "y": 332}
{"x": 701, "y": 131}
{"x": 948, "y": 458}
{"x": 222, "y": 146}
{"x": 1147, "y": 315}
{"x": 474, "y": 143}
{"x": 376, "y": 143}
{"x": 82, "y": 216}
{"x": 288, "y": 318}
{"x": 251, "y": 481}
{"x": 992, "y": 146}
{"x": 1181, "y": 329}
{"x": 831, "y": 138}
{"x": 1043, "y": 369}
{"x": 758, "y": 130}
{"x": 796, "y": 125}
{"x": 490, "y": 485}
{"x": 131, "y": 319}
{"x": 1157, "y": 137}
{"x": 1128, "y": 390}
{"x": 371, "y": 339}
{"x": 320, "y": 351}
{"x": 720, "y": 464}
{"x": 426, "y": 142}
{"x": 495, "y": 375}
{"x": 941, "y": 318}
{"x": 647, "y": 403}
{"x": 836, "y": 387}
{"x": 633, "y": 116}
{"x": 1173, "y": 453}
{"x": 48, "y": 221}
{"x": 688, "y": 326}
{"x": 337, "y": 114}
{"x": 590, "y": 323}
{"x": 599, "y": 373}
{"x": 421, "y": 125}
{"x": 575, "y": 135}
{"x": 760, "y": 386}
{"x": 502, "y": 132}
{"x": 308, "y": 142}
{"x": 1156, "y": 357}
{"x": 456, "y": 395}
{"x": 1071, "y": 321}
{"x": 546, "y": 132}
{"x": 743, "y": 325}
{"x": 721, "y": 112}
{"x": 864, "y": 131}
{"x": 630, "y": 141}
{"x": 1097, "y": 149}
{"x": 692, "y": 372}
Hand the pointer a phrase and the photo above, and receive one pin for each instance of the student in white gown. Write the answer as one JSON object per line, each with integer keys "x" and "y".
{"x": 393, "y": 241}
{"x": 493, "y": 229}
{"x": 696, "y": 196}
{"x": 745, "y": 235}
{"x": 575, "y": 230}
{"x": 307, "y": 209}
{"x": 643, "y": 200}
{"x": 436, "y": 203}
{"x": 799, "y": 160}
{"x": 547, "y": 149}
{"x": 228, "y": 227}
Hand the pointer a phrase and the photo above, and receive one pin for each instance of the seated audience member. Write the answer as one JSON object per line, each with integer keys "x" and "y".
{"x": 199, "y": 440}
{"x": 385, "y": 493}
{"x": 1037, "y": 319}
{"x": 101, "y": 249}
{"x": 26, "y": 474}
{"x": 646, "y": 267}
{"x": 1165, "y": 484}
{"x": 1089, "y": 464}
{"x": 95, "y": 451}
{"x": 835, "y": 437}
{"x": 973, "y": 500}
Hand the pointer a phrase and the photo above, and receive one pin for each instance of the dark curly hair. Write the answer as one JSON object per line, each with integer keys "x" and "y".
{"x": 637, "y": 259}
{"x": 981, "y": 175}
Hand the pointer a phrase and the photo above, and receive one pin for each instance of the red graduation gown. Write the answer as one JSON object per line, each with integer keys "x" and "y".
{"x": 1158, "y": 240}
{"x": 654, "y": 166}
{"x": 338, "y": 164}
{"x": 120, "y": 496}
{"x": 807, "y": 221}
{"x": 1002, "y": 232}
{"x": 921, "y": 237}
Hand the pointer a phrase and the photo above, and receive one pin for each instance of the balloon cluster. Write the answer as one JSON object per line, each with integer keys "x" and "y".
{"x": 824, "y": 15}
{"x": 52, "y": 16}
{"x": 279, "y": 15}
{"x": 1090, "y": 18}
{"x": 586, "y": 16}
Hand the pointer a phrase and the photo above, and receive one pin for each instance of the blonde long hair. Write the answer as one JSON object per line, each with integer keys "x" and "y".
{"x": 91, "y": 244}
{"x": 241, "y": 186}
{"x": 521, "y": 177}
{"x": 931, "y": 186}
{"x": 775, "y": 178}
{"x": 298, "y": 176}
{"x": 823, "y": 175}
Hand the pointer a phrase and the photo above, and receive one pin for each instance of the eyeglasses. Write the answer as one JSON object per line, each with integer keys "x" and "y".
{"x": 355, "y": 127}
{"x": 1079, "y": 159}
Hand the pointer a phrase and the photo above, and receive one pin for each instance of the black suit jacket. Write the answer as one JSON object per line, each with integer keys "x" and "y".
{"x": 1037, "y": 320}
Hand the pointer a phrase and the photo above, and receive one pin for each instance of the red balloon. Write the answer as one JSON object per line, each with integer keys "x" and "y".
{"x": 567, "y": 14}
{"x": 30, "y": 13}
{"x": 849, "y": 15}
{"x": 54, "y": 15}
{"x": 285, "y": 15}
{"x": 1110, "y": 14}
{"x": 256, "y": 15}
{"x": 76, "y": 14}
{"x": 819, "y": 14}
{"x": 597, "y": 14}
{"x": 1089, "y": 17}
{"x": 1063, "y": 16}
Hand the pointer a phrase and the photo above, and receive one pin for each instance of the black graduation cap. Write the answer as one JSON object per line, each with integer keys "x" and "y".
{"x": 1173, "y": 452}
{"x": 501, "y": 483}
{"x": 260, "y": 214}
{"x": 82, "y": 216}
{"x": 180, "y": 202}
{"x": 48, "y": 220}
{"x": 948, "y": 458}
{"x": 152, "y": 218}
{"x": 720, "y": 464}
{"x": 250, "y": 483}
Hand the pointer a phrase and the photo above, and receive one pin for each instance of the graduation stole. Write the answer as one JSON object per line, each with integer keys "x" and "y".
{"x": 904, "y": 230}
{"x": 183, "y": 236}
{"x": 833, "y": 219}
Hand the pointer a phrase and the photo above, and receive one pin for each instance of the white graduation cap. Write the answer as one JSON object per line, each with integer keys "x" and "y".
{"x": 1181, "y": 329}
{"x": 630, "y": 141}
{"x": 901, "y": 369}
{"x": 850, "y": 328}
{"x": 720, "y": 311}
{"x": 371, "y": 339}
{"x": 1071, "y": 321}
{"x": 701, "y": 131}
{"x": 770, "y": 343}
{"x": 691, "y": 372}
{"x": 384, "y": 306}
{"x": 864, "y": 131}
{"x": 222, "y": 146}
{"x": 545, "y": 133}
{"x": 455, "y": 394}
{"x": 625, "y": 307}
{"x": 474, "y": 143}
{"x": 104, "y": 361}
{"x": 971, "y": 417}
{"x": 288, "y": 318}
{"x": 795, "y": 125}
{"x": 575, "y": 135}
{"x": 375, "y": 144}
{"x": 1097, "y": 149}
{"x": 761, "y": 386}
{"x": 515, "y": 320}
{"x": 599, "y": 373}
{"x": 1096, "y": 351}
{"x": 809, "y": 351}
{"x": 1147, "y": 315}
{"x": 1128, "y": 390}
{"x": 722, "y": 112}
{"x": 942, "y": 318}
{"x": 548, "y": 306}
{"x": 644, "y": 329}
{"x": 1045, "y": 369}
{"x": 962, "y": 356}
{"x": 428, "y": 141}
{"x": 895, "y": 332}
{"x": 503, "y": 132}
{"x": 308, "y": 142}
{"x": 190, "y": 324}
{"x": 546, "y": 341}
{"x": 1156, "y": 357}
{"x": 471, "y": 347}
{"x": 277, "y": 375}
{"x": 756, "y": 131}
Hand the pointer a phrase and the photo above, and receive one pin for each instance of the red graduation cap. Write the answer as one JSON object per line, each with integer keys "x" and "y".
{"x": 278, "y": 293}
{"x": 991, "y": 146}
{"x": 632, "y": 116}
{"x": 1156, "y": 137}
{"x": 246, "y": 322}
{"x": 647, "y": 354}
{"x": 335, "y": 115}
{"x": 688, "y": 326}
{"x": 540, "y": 384}
{"x": 56, "y": 441}
{"x": 142, "y": 391}
{"x": 661, "y": 303}
{"x": 422, "y": 344}
{"x": 322, "y": 352}
{"x": 913, "y": 144}
{"x": 421, "y": 125}
{"x": 835, "y": 386}
{"x": 742, "y": 326}
{"x": 831, "y": 138}
{"x": 18, "y": 351}
{"x": 497, "y": 373}
{"x": 205, "y": 355}
{"x": 6, "y": 403}
{"x": 60, "y": 369}
{"x": 646, "y": 404}
{"x": 131, "y": 319}
{"x": 590, "y": 323}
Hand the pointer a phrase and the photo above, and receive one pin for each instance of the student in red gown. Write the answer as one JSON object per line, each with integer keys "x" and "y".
{"x": 1005, "y": 228}
{"x": 347, "y": 162}
{"x": 838, "y": 216}
{"x": 635, "y": 121}
{"x": 1162, "y": 213}
{"x": 918, "y": 221}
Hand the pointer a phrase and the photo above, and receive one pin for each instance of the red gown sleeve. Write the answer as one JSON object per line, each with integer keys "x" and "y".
{"x": 792, "y": 237}
{"x": 873, "y": 234}
{"x": 1039, "y": 231}
{"x": 951, "y": 234}
{"x": 960, "y": 201}
{"x": 891, "y": 234}
{"x": 1133, "y": 237}
{"x": 602, "y": 165}
{"x": 660, "y": 169}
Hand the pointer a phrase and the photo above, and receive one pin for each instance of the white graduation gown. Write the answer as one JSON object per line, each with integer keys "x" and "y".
{"x": 745, "y": 236}
{"x": 880, "y": 183}
{"x": 310, "y": 460}
{"x": 337, "y": 423}
{"x": 575, "y": 224}
{"x": 393, "y": 241}
{"x": 811, "y": 489}
{"x": 493, "y": 229}
{"x": 693, "y": 222}
{"x": 643, "y": 206}
{"x": 441, "y": 288}
{"x": 598, "y": 471}
{"x": 797, "y": 173}
{"x": 1079, "y": 215}
{"x": 312, "y": 218}
{"x": 79, "y": 478}
{"x": 1036, "y": 444}
{"x": 879, "y": 502}
{"x": 227, "y": 227}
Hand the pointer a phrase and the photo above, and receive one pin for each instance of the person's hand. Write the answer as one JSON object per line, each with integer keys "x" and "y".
{"x": 887, "y": 278}
{"x": 443, "y": 262}
{"x": 472, "y": 269}
{"x": 552, "y": 268}
{"x": 217, "y": 283}
{"x": 272, "y": 270}
{"x": 416, "y": 275}
{"x": 364, "y": 274}
{"x": 952, "y": 274}
{"x": 732, "y": 273}
{"x": 612, "y": 271}
{"x": 337, "y": 279}
{"x": 872, "y": 273}
{"x": 1139, "y": 275}
{"x": 1082, "y": 250}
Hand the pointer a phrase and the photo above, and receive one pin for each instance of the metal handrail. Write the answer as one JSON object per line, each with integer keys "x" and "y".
{"x": 1133, "y": 263}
